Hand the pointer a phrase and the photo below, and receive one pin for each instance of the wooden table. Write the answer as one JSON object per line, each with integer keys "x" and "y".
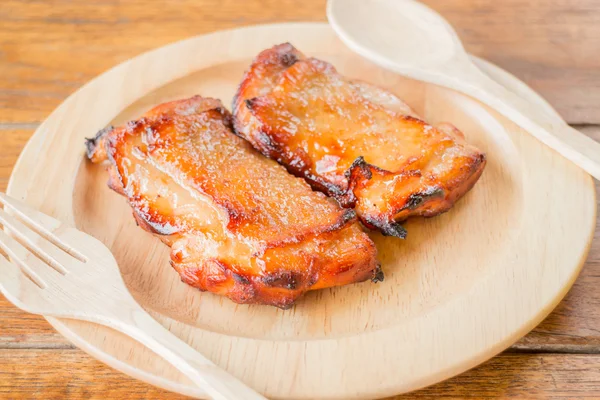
{"x": 50, "y": 48}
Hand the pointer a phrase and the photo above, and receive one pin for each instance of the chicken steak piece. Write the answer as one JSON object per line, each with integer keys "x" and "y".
{"x": 238, "y": 224}
{"x": 353, "y": 141}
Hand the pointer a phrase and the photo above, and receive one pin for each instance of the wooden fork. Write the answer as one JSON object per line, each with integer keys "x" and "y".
{"x": 58, "y": 271}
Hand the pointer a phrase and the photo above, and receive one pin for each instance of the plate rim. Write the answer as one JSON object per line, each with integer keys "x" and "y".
{"x": 172, "y": 385}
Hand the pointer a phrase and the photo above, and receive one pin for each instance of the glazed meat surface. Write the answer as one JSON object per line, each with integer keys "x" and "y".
{"x": 238, "y": 224}
{"x": 353, "y": 141}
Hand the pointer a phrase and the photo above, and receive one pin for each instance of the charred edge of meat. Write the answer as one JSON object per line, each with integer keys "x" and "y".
{"x": 115, "y": 182}
{"x": 303, "y": 170}
{"x": 387, "y": 228}
{"x": 245, "y": 294}
{"x": 237, "y": 127}
{"x": 250, "y": 103}
{"x": 359, "y": 171}
{"x": 417, "y": 199}
{"x": 413, "y": 119}
{"x": 285, "y": 304}
{"x": 288, "y": 58}
{"x": 346, "y": 199}
{"x": 285, "y": 279}
{"x": 267, "y": 146}
{"x": 284, "y": 54}
{"x": 378, "y": 275}
{"x": 348, "y": 216}
{"x": 92, "y": 144}
{"x": 329, "y": 188}
{"x": 362, "y": 166}
{"x": 227, "y": 117}
{"x": 481, "y": 159}
{"x": 317, "y": 183}
{"x": 393, "y": 229}
{"x": 240, "y": 278}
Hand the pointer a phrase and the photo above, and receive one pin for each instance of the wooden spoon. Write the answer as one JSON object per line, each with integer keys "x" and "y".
{"x": 408, "y": 37}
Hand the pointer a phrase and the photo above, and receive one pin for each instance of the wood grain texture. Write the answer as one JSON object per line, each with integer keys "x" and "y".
{"x": 19, "y": 329}
{"x": 39, "y": 40}
{"x": 539, "y": 376}
{"x": 12, "y": 142}
{"x": 551, "y": 45}
{"x": 68, "y": 374}
{"x": 36, "y": 374}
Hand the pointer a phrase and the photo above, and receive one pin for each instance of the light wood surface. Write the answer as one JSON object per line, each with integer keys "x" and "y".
{"x": 85, "y": 284}
{"x": 546, "y": 43}
{"x": 456, "y": 292}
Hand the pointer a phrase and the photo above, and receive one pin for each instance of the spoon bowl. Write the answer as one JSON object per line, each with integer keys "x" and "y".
{"x": 421, "y": 31}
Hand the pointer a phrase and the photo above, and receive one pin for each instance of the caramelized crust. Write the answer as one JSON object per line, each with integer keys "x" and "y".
{"x": 355, "y": 142}
{"x": 237, "y": 223}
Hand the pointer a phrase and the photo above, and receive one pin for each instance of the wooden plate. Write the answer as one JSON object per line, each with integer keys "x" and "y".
{"x": 460, "y": 289}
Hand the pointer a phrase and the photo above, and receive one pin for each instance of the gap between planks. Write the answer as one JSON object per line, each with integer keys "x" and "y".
{"x": 39, "y": 342}
{"x": 19, "y": 125}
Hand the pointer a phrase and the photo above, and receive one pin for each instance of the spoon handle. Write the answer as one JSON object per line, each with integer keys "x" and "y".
{"x": 556, "y": 134}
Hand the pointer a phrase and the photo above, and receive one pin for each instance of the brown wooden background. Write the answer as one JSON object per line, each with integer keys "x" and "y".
{"x": 50, "y": 48}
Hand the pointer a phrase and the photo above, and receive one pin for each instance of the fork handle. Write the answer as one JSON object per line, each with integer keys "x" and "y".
{"x": 135, "y": 322}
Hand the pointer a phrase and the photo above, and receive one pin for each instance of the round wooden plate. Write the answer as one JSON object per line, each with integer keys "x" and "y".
{"x": 460, "y": 289}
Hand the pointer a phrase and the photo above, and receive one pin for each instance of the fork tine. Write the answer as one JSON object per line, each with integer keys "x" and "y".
{"x": 14, "y": 287}
{"x": 39, "y": 222}
{"x": 18, "y": 255}
{"x": 37, "y": 245}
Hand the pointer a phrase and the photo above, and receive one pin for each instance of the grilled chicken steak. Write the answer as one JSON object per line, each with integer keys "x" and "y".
{"x": 237, "y": 223}
{"x": 353, "y": 141}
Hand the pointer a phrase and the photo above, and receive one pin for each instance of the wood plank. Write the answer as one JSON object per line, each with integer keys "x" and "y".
{"x": 539, "y": 376}
{"x": 49, "y": 49}
{"x": 59, "y": 374}
{"x": 68, "y": 374}
{"x": 12, "y": 142}
{"x": 21, "y": 330}
{"x": 574, "y": 326}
